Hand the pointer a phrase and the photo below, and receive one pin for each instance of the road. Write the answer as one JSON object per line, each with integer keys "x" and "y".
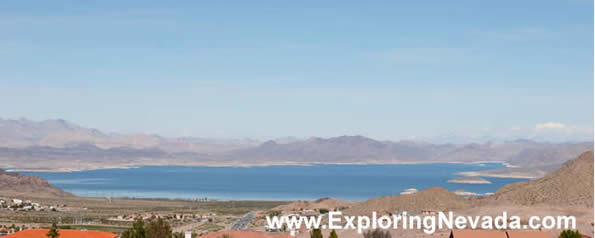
{"x": 243, "y": 221}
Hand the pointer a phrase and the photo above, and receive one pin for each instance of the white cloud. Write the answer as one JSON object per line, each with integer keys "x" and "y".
{"x": 549, "y": 125}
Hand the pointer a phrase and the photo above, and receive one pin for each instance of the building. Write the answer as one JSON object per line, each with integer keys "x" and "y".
{"x": 243, "y": 234}
{"x": 42, "y": 233}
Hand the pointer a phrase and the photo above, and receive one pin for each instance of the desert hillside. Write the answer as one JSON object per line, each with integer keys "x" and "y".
{"x": 570, "y": 185}
{"x": 323, "y": 203}
{"x": 435, "y": 198}
{"x": 12, "y": 183}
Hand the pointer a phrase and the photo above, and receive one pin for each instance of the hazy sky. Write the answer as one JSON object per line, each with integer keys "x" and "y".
{"x": 265, "y": 69}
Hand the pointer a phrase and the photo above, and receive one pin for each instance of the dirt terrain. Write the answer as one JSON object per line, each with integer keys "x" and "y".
{"x": 323, "y": 203}
{"x": 82, "y": 211}
{"x": 567, "y": 191}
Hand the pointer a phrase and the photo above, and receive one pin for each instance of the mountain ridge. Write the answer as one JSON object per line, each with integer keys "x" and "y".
{"x": 572, "y": 184}
{"x": 33, "y": 143}
{"x": 15, "y": 184}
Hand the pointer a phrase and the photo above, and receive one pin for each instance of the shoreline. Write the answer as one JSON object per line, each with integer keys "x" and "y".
{"x": 246, "y": 165}
{"x": 488, "y": 175}
{"x": 469, "y": 180}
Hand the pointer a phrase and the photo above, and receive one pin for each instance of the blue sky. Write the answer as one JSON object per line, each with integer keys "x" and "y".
{"x": 266, "y": 69}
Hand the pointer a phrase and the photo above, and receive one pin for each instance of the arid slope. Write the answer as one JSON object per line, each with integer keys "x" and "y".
{"x": 570, "y": 185}
{"x": 323, "y": 203}
{"x": 435, "y": 198}
{"x": 17, "y": 184}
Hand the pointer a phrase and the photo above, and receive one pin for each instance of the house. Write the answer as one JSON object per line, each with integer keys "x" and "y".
{"x": 17, "y": 201}
{"x": 243, "y": 234}
{"x": 41, "y": 233}
{"x": 430, "y": 212}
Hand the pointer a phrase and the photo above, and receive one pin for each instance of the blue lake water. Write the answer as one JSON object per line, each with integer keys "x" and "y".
{"x": 347, "y": 182}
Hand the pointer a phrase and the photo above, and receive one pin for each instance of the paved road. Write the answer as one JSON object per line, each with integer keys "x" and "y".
{"x": 243, "y": 221}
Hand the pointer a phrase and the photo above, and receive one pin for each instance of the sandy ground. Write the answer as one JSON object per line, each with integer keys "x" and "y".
{"x": 584, "y": 220}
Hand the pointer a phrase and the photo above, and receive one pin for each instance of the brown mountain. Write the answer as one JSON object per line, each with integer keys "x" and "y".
{"x": 435, "y": 198}
{"x": 26, "y": 144}
{"x": 59, "y": 133}
{"x": 570, "y": 185}
{"x": 12, "y": 183}
{"x": 22, "y": 133}
{"x": 359, "y": 149}
{"x": 323, "y": 203}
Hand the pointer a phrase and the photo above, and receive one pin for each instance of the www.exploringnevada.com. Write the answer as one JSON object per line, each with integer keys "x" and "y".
{"x": 428, "y": 223}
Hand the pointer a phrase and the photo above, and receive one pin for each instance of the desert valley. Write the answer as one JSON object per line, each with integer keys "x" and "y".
{"x": 561, "y": 180}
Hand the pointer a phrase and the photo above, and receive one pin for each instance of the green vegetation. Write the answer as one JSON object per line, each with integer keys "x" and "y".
{"x": 316, "y": 233}
{"x": 155, "y": 229}
{"x": 53, "y": 232}
{"x": 333, "y": 234}
{"x": 158, "y": 229}
{"x": 570, "y": 234}
{"x": 378, "y": 233}
{"x": 274, "y": 213}
{"x": 323, "y": 211}
{"x": 137, "y": 230}
{"x": 178, "y": 235}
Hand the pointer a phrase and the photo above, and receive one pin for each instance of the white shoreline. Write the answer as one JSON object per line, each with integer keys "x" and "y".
{"x": 247, "y": 165}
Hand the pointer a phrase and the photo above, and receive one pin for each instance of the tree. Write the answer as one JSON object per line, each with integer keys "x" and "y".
{"x": 137, "y": 230}
{"x": 333, "y": 234}
{"x": 570, "y": 234}
{"x": 316, "y": 233}
{"x": 158, "y": 229}
{"x": 178, "y": 235}
{"x": 274, "y": 213}
{"x": 378, "y": 233}
{"x": 53, "y": 232}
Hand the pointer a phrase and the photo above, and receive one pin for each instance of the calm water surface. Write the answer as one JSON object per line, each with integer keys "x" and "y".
{"x": 348, "y": 182}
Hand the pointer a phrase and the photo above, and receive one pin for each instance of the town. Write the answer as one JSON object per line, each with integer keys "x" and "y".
{"x": 14, "y": 204}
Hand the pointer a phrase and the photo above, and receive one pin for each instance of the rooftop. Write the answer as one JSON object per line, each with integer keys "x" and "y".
{"x": 243, "y": 234}
{"x": 41, "y": 233}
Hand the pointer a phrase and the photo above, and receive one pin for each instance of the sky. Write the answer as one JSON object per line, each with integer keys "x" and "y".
{"x": 432, "y": 70}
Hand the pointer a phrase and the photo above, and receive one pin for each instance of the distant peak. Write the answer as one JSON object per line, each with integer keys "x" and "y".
{"x": 269, "y": 142}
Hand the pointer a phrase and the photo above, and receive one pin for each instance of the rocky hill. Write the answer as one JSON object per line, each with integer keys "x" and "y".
{"x": 570, "y": 185}
{"x": 323, "y": 203}
{"x": 435, "y": 198}
{"x": 12, "y": 183}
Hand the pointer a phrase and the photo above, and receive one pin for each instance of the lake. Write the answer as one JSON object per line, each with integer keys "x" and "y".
{"x": 347, "y": 182}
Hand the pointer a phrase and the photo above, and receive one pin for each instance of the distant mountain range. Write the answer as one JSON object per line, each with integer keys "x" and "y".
{"x": 61, "y": 145}
{"x": 359, "y": 149}
{"x": 59, "y": 133}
